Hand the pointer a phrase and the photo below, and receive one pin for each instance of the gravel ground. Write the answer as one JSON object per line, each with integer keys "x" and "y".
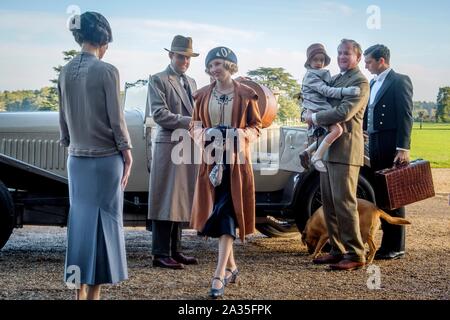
{"x": 31, "y": 265}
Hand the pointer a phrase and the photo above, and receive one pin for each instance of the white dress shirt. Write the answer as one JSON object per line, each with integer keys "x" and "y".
{"x": 379, "y": 79}
{"x": 180, "y": 78}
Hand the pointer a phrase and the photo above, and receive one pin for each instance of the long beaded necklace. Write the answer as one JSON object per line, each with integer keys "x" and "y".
{"x": 223, "y": 99}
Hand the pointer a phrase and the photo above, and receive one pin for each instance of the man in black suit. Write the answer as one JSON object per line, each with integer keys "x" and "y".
{"x": 387, "y": 124}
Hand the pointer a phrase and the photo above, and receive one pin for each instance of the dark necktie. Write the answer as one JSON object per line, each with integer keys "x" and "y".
{"x": 186, "y": 87}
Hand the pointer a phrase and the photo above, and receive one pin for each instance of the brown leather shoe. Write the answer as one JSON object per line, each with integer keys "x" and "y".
{"x": 181, "y": 258}
{"x": 328, "y": 258}
{"x": 167, "y": 262}
{"x": 346, "y": 264}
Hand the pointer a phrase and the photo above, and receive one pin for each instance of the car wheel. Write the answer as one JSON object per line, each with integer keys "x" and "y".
{"x": 310, "y": 201}
{"x": 311, "y": 198}
{"x": 6, "y": 214}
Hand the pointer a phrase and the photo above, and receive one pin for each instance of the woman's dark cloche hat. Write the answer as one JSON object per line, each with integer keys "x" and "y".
{"x": 220, "y": 53}
{"x": 182, "y": 45}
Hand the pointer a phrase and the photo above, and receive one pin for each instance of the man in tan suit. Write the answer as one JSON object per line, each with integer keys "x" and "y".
{"x": 171, "y": 183}
{"x": 343, "y": 162}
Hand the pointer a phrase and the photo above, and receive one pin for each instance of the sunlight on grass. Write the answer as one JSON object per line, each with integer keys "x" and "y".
{"x": 432, "y": 143}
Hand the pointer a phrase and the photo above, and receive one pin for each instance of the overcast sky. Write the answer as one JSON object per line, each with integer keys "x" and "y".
{"x": 262, "y": 33}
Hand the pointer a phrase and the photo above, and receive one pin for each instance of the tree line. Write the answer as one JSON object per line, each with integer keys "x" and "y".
{"x": 45, "y": 99}
{"x": 443, "y": 105}
{"x": 276, "y": 79}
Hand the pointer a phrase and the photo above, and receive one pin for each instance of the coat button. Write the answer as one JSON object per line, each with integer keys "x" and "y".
{"x": 382, "y": 114}
{"x": 381, "y": 122}
{"x": 384, "y": 106}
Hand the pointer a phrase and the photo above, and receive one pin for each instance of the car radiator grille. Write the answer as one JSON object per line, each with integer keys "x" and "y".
{"x": 45, "y": 154}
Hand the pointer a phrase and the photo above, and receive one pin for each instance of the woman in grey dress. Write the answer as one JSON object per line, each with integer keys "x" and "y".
{"x": 93, "y": 128}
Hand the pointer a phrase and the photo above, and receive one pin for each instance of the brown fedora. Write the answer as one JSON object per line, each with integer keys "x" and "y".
{"x": 182, "y": 45}
{"x": 315, "y": 49}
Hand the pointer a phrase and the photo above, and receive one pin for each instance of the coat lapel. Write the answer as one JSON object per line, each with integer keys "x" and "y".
{"x": 386, "y": 84}
{"x": 342, "y": 79}
{"x": 335, "y": 80}
{"x": 205, "y": 105}
{"x": 237, "y": 113}
{"x": 173, "y": 79}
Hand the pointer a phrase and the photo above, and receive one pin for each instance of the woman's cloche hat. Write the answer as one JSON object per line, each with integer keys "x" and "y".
{"x": 220, "y": 53}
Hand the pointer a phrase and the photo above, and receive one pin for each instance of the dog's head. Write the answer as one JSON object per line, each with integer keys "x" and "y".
{"x": 309, "y": 242}
{"x": 314, "y": 229}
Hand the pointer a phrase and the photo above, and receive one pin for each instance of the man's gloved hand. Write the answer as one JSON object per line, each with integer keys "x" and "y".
{"x": 351, "y": 91}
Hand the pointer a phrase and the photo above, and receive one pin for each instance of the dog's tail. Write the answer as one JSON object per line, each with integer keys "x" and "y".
{"x": 391, "y": 219}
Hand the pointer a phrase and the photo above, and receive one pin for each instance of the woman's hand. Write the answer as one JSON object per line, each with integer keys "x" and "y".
{"x": 128, "y": 159}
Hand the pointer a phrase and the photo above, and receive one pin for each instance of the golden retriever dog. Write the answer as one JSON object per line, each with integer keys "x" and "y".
{"x": 315, "y": 235}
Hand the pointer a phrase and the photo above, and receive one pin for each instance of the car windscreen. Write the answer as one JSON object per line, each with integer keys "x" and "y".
{"x": 135, "y": 96}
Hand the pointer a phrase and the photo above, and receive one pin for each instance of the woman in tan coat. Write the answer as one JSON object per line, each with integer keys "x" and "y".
{"x": 226, "y": 120}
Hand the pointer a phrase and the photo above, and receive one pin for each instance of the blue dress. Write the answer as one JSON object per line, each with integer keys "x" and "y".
{"x": 95, "y": 235}
{"x": 223, "y": 218}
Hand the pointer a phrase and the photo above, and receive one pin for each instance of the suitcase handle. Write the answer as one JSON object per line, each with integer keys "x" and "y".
{"x": 399, "y": 165}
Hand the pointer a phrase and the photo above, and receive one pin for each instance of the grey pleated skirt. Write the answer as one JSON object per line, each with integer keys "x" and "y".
{"x": 95, "y": 235}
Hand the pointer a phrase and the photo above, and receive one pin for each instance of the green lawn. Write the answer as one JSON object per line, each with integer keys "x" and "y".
{"x": 432, "y": 143}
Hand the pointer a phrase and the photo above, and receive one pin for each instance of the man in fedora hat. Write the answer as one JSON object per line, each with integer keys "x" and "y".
{"x": 171, "y": 184}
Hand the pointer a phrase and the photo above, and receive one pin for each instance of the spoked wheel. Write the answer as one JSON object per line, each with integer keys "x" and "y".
{"x": 311, "y": 198}
{"x": 6, "y": 214}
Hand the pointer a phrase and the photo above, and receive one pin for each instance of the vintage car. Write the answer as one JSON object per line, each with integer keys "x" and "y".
{"x": 33, "y": 176}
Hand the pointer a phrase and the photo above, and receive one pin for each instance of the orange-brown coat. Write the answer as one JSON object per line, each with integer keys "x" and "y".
{"x": 247, "y": 120}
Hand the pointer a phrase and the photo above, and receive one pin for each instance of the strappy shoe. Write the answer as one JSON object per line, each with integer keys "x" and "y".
{"x": 233, "y": 277}
{"x": 217, "y": 293}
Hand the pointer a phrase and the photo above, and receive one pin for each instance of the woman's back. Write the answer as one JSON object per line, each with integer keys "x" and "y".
{"x": 89, "y": 93}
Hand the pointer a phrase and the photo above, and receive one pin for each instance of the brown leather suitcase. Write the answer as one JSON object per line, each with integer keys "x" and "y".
{"x": 403, "y": 185}
{"x": 267, "y": 102}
